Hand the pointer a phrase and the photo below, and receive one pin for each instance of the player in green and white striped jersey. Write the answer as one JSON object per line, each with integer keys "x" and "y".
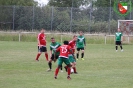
{"x": 118, "y": 39}
{"x": 80, "y": 44}
{"x": 53, "y": 55}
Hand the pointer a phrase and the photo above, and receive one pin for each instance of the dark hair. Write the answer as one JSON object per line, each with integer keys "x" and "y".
{"x": 52, "y": 38}
{"x": 66, "y": 42}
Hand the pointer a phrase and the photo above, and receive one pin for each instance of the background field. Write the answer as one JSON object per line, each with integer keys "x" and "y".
{"x": 102, "y": 68}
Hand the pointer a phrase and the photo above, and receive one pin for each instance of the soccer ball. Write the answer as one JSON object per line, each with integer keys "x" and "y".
{"x": 72, "y": 70}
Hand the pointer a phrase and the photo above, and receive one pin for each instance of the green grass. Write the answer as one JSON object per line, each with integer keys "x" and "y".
{"x": 102, "y": 68}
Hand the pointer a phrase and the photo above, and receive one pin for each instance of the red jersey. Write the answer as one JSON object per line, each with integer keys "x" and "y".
{"x": 73, "y": 45}
{"x": 41, "y": 39}
{"x": 64, "y": 50}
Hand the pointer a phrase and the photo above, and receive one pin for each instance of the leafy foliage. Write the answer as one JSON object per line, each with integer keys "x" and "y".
{"x": 68, "y": 3}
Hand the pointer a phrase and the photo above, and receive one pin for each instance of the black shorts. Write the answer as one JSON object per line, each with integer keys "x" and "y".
{"x": 78, "y": 49}
{"x": 117, "y": 42}
{"x": 42, "y": 49}
{"x": 52, "y": 57}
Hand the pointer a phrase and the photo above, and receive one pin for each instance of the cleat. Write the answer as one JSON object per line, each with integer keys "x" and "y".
{"x": 122, "y": 50}
{"x": 37, "y": 60}
{"x": 65, "y": 68}
{"x": 61, "y": 71}
{"x": 82, "y": 58}
{"x": 68, "y": 77}
{"x": 48, "y": 70}
{"x": 75, "y": 72}
{"x": 55, "y": 77}
{"x": 72, "y": 72}
{"x": 116, "y": 50}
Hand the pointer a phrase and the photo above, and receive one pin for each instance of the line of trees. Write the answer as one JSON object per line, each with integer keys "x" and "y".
{"x": 60, "y": 15}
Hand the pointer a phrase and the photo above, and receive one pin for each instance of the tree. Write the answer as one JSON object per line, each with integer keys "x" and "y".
{"x": 103, "y": 3}
{"x": 68, "y": 3}
{"x": 9, "y": 8}
{"x": 18, "y": 2}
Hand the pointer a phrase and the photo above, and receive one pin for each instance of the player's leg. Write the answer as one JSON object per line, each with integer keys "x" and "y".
{"x": 39, "y": 53}
{"x": 73, "y": 63}
{"x": 60, "y": 61}
{"x": 121, "y": 46}
{"x": 82, "y": 54}
{"x": 74, "y": 67}
{"x": 67, "y": 62}
{"x": 116, "y": 46}
{"x": 57, "y": 56}
{"x": 46, "y": 56}
{"x": 50, "y": 62}
{"x": 78, "y": 49}
{"x": 44, "y": 49}
{"x": 61, "y": 68}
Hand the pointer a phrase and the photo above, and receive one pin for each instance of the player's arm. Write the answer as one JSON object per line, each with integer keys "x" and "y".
{"x": 38, "y": 40}
{"x": 84, "y": 41}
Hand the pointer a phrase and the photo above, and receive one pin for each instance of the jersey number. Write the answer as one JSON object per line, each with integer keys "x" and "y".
{"x": 64, "y": 50}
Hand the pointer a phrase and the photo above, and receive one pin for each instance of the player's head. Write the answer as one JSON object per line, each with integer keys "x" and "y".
{"x": 53, "y": 40}
{"x": 80, "y": 33}
{"x": 75, "y": 37}
{"x": 42, "y": 30}
{"x": 119, "y": 30}
{"x": 66, "y": 42}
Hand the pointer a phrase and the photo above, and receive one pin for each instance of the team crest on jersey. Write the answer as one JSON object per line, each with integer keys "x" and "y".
{"x": 123, "y": 7}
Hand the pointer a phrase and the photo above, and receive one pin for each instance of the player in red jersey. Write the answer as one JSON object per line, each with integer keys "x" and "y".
{"x": 72, "y": 59}
{"x": 41, "y": 38}
{"x": 63, "y": 57}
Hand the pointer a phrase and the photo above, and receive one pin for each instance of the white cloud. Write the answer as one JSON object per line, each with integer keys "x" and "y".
{"x": 42, "y": 2}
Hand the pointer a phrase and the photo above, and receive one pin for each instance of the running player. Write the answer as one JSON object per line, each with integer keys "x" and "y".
{"x": 118, "y": 39}
{"x": 80, "y": 44}
{"x": 41, "y": 38}
{"x": 63, "y": 57}
{"x": 72, "y": 59}
{"x": 53, "y": 55}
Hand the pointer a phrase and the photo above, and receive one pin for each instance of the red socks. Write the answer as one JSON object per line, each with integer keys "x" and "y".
{"x": 69, "y": 71}
{"x": 74, "y": 68}
{"x": 46, "y": 55}
{"x": 38, "y": 55}
{"x": 56, "y": 71}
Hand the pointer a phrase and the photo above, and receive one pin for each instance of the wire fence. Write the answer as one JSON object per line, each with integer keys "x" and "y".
{"x": 60, "y": 19}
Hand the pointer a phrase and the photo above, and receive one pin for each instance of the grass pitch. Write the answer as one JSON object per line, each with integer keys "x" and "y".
{"x": 102, "y": 68}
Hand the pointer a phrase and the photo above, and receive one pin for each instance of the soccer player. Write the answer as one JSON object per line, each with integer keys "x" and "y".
{"x": 72, "y": 58}
{"x": 118, "y": 40}
{"x": 63, "y": 57}
{"x": 41, "y": 38}
{"x": 80, "y": 44}
{"x": 53, "y": 55}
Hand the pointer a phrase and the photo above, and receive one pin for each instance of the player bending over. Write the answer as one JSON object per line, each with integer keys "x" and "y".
{"x": 80, "y": 44}
{"x": 118, "y": 40}
{"x": 72, "y": 58}
{"x": 63, "y": 57}
{"x": 53, "y": 55}
{"x": 41, "y": 38}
